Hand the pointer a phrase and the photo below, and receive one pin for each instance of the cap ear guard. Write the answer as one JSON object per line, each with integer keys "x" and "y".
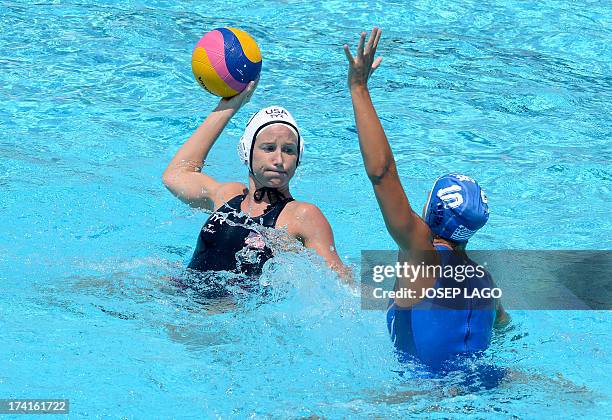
{"x": 434, "y": 208}
{"x": 243, "y": 144}
{"x": 435, "y": 215}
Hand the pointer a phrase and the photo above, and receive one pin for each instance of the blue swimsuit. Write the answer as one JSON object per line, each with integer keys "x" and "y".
{"x": 434, "y": 332}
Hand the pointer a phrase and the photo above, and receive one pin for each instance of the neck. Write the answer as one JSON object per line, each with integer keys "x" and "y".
{"x": 265, "y": 200}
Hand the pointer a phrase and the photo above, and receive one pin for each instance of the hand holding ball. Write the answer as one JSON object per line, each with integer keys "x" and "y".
{"x": 225, "y": 60}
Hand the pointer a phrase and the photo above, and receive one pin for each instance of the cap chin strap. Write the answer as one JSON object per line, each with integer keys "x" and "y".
{"x": 273, "y": 194}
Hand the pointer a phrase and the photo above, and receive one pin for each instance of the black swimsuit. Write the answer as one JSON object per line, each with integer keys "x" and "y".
{"x": 226, "y": 244}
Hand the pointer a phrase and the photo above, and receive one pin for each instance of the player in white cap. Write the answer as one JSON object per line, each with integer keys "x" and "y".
{"x": 271, "y": 147}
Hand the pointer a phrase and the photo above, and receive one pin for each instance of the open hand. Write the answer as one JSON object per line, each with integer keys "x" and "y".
{"x": 363, "y": 64}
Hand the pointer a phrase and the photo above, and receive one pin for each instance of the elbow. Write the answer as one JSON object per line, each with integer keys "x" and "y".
{"x": 375, "y": 176}
{"x": 175, "y": 173}
{"x": 167, "y": 178}
{"x": 376, "y": 173}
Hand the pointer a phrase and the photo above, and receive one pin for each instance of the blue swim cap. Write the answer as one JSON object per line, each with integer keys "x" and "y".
{"x": 457, "y": 207}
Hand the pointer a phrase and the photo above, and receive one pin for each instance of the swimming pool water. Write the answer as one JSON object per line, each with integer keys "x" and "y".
{"x": 96, "y": 99}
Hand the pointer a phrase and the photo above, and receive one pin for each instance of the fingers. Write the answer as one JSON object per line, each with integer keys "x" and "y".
{"x": 361, "y": 44}
{"x": 347, "y": 52}
{"x": 248, "y": 91}
{"x": 375, "y": 44}
{"x": 250, "y": 88}
{"x": 377, "y": 37}
{"x": 371, "y": 39}
{"x": 364, "y": 48}
{"x": 376, "y": 64}
{"x": 254, "y": 84}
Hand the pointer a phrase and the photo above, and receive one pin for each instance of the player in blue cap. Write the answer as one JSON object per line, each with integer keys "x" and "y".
{"x": 424, "y": 323}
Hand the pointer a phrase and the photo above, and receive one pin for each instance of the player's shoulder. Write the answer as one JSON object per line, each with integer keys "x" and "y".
{"x": 303, "y": 219}
{"x": 302, "y": 209}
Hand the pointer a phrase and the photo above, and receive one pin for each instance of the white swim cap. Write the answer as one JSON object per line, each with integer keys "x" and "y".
{"x": 260, "y": 120}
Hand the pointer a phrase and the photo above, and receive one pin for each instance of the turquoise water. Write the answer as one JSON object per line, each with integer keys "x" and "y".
{"x": 96, "y": 98}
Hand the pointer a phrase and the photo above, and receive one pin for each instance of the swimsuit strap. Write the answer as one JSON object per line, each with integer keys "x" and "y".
{"x": 234, "y": 202}
{"x": 271, "y": 215}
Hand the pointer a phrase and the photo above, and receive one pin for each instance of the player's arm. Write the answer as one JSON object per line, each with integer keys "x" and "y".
{"x": 314, "y": 231}
{"x": 184, "y": 176}
{"x": 408, "y": 230}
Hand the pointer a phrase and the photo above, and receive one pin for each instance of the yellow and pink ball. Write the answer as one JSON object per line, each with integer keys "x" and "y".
{"x": 225, "y": 60}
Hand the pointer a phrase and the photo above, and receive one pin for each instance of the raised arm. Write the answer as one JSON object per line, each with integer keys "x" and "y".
{"x": 183, "y": 176}
{"x": 407, "y": 229}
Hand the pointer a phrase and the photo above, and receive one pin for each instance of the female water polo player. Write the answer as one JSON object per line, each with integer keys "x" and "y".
{"x": 425, "y": 323}
{"x": 233, "y": 238}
